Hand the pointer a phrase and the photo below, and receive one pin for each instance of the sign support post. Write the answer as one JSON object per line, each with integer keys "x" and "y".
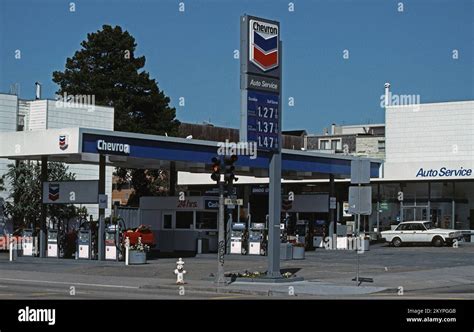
{"x": 44, "y": 178}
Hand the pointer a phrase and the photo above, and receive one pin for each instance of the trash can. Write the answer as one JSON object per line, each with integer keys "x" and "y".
{"x": 364, "y": 243}
{"x": 298, "y": 252}
{"x": 202, "y": 245}
{"x": 286, "y": 251}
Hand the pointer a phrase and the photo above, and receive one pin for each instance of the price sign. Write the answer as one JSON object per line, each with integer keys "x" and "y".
{"x": 263, "y": 119}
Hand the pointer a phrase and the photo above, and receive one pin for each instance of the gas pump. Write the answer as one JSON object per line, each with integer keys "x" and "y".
{"x": 84, "y": 244}
{"x": 237, "y": 239}
{"x": 53, "y": 243}
{"x": 302, "y": 232}
{"x": 318, "y": 232}
{"x": 27, "y": 242}
{"x": 111, "y": 244}
{"x": 257, "y": 239}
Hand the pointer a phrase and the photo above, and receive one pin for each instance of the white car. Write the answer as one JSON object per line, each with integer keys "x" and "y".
{"x": 421, "y": 232}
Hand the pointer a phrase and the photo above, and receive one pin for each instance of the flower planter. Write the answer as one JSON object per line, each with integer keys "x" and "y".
{"x": 136, "y": 257}
{"x": 298, "y": 252}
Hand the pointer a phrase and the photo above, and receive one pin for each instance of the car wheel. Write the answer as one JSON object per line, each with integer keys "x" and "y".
{"x": 396, "y": 242}
{"x": 438, "y": 242}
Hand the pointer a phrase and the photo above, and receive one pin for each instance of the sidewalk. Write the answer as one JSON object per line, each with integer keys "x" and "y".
{"x": 249, "y": 288}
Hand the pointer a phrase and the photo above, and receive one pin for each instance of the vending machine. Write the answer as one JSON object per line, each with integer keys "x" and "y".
{"x": 237, "y": 239}
{"x": 84, "y": 244}
{"x": 111, "y": 244}
{"x": 27, "y": 242}
{"x": 53, "y": 250}
{"x": 258, "y": 239}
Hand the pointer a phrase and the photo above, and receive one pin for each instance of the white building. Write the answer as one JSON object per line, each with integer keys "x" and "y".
{"x": 430, "y": 141}
{"x": 17, "y": 114}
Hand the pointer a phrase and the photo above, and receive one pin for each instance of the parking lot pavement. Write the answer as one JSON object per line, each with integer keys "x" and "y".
{"x": 415, "y": 269}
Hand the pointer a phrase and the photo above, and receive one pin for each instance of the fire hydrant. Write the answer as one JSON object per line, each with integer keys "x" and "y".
{"x": 180, "y": 272}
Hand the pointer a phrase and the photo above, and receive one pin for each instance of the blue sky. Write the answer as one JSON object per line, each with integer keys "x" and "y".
{"x": 191, "y": 53}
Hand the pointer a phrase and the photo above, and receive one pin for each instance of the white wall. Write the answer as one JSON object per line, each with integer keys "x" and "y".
{"x": 429, "y": 136}
{"x": 98, "y": 118}
{"x": 38, "y": 112}
{"x": 8, "y": 122}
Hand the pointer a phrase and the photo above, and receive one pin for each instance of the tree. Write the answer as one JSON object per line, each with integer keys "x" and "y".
{"x": 106, "y": 67}
{"x": 24, "y": 202}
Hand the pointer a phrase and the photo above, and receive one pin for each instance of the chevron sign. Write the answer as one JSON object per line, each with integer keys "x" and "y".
{"x": 53, "y": 191}
{"x": 263, "y": 44}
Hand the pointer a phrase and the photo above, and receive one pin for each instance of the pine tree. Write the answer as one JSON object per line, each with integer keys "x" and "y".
{"x": 107, "y": 67}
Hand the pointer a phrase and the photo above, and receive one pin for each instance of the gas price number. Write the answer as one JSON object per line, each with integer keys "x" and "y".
{"x": 262, "y": 120}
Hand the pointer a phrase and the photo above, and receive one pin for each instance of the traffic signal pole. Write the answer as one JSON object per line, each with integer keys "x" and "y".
{"x": 220, "y": 280}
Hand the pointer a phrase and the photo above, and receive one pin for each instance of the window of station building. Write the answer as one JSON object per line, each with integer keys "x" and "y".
{"x": 464, "y": 205}
{"x": 167, "y": 221}
{"x": 336, "y": 144}
{"x": 415, "y": 193}
{"x": 324, "y": 144}
{"x": 389, "y": 206}
{"x": 381, "y": 146}
{"x": 441, "y": 203}
{"x": 206, "y": 220}
{"x": 184, "y": 219}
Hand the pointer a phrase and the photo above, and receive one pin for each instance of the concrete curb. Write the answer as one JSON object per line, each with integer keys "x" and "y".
{"x": 233, "y": 289}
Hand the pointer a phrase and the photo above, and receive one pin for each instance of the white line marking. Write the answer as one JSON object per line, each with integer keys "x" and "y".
{"x": 68, "y": 283}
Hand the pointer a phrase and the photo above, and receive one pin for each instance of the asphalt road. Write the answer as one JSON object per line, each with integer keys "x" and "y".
{"x": 20, "y": 289}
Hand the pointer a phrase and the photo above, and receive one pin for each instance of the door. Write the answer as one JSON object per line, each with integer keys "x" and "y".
{"x": 420, "y": 234}
{"x": 165, "y": 241}
{"x": 168, "y": 220}
{"x": 407, "y": 233}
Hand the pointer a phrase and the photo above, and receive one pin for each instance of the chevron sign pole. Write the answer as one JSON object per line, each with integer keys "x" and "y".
{"x": 260, "y": 113}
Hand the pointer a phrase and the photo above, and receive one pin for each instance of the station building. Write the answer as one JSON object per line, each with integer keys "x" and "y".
{"x": 427, "y": 174}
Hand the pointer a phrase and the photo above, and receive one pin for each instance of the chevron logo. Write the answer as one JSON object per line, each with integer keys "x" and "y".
{"x": 63, "y": 142}
{"x": 53, "y": 191}
{"x": 263, "y": 44}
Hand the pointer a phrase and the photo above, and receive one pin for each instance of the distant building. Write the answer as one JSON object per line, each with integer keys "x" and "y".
{"x": 360, "y": 140}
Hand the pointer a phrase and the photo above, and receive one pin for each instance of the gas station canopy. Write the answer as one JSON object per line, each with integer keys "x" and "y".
{"x": 132, "y": 150}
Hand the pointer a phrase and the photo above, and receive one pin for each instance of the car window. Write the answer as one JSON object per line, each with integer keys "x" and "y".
{"x": 418, "y": 227}
{"x": 403, "y": 227}
{"x": 428, "y": 225}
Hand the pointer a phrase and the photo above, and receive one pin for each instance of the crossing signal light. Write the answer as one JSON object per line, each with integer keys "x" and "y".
{"x": 216, "y": 169}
